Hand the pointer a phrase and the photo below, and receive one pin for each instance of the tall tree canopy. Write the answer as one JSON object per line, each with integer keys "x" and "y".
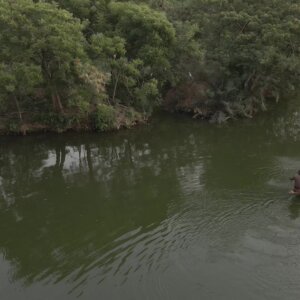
{"x": 67, "y": 57}
{"x": 41, "y": 45}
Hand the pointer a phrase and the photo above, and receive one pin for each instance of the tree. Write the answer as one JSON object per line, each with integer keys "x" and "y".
{"x": 251, "y": 50}
{"x": 149, "y": 36}
{"x": 132, "y": 42}
{"x": 18, "y": 74}
{"x": 39, "y": 40}
{"x": 17, "y": 82}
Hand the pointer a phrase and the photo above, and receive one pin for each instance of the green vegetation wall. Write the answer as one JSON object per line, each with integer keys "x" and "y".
{"x": 68, "y": 62}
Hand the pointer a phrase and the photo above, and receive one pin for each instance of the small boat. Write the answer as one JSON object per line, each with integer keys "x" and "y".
{"x": 294, "y": 193}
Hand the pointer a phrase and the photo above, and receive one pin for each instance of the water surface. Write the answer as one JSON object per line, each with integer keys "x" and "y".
{"x": 178, "y": 209}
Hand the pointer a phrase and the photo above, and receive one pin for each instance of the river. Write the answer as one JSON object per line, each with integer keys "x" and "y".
{"x": 177, "y": 209}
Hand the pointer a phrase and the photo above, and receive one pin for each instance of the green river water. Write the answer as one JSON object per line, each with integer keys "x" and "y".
{"x": 177, "y": 209}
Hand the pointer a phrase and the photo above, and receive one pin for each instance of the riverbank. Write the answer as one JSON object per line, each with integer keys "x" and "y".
{"x": 193, "y": 98}
{"x": 105, "y": 118}
{"x": 187, "y": 100}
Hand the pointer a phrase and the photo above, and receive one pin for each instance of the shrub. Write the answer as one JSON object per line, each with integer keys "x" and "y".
{"x": 53, "y": 120}
{"x": 103, "y": 118}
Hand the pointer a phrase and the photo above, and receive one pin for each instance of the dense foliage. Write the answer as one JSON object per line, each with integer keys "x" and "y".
{"x": 103, "y": 64}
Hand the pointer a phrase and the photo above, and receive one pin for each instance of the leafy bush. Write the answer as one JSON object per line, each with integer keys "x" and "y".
{"x": 53, "y": 120}
{"x": 13, "y": 126}
{"x": 103, "y": 118}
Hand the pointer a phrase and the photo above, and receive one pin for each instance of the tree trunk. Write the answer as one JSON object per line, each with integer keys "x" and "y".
{"x": 56, "y": 101}
{"x": 59, "y": 104}
{"x": 18, "y": 108}
{"x": 115, "y": 89}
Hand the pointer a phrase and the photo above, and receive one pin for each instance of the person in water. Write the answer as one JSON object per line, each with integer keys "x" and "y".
{"x": 296, "y": 180}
